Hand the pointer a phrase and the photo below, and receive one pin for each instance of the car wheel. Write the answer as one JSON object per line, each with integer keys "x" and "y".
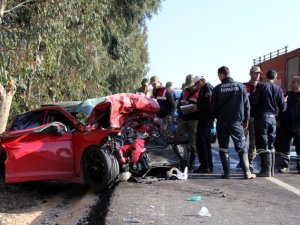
{"x": 100, "y": 169}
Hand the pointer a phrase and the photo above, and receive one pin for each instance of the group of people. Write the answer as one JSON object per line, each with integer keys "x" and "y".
{"x": 240, "y": 109}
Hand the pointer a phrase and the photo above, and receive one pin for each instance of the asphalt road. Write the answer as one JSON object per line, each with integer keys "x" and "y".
{"x": 235, "y": 201}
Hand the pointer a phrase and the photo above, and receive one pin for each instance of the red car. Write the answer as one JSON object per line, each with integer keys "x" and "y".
{"x": 49, "y": 143}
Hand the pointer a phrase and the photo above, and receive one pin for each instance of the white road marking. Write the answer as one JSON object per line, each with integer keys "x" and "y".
{"x": 272, "y": 179}
{"x": 284, "y": 185}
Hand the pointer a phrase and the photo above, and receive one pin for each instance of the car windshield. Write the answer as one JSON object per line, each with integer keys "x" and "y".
{"x": 27, "y": 120}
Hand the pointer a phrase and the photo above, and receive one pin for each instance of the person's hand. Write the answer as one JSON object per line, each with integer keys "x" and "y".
{"x": 169, "y": 119}
{"x": 245, "y": 124}
{"x": 195, "y": 108}
{"x": 183, "y": 102}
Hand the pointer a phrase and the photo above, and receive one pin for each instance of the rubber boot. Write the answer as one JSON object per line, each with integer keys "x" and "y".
{"x": 250, "y": 164}
{"x": 273, "y": 163}
{"x": 265, "y": 159}
{"x": 191, "y": 162}
{"x": 245, "y": 166}
{"x": 226, "y": 165}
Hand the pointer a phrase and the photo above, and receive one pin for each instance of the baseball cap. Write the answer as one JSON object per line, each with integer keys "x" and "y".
{"x": 255, "y": 69}
{"x": 198, "y": 78}
{"x": 145, "y": 81}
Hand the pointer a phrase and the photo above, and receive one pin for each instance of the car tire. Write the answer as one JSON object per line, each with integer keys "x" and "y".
{"x": 100, "y": 168}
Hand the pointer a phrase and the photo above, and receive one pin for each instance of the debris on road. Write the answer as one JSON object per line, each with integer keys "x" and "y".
{"x": 204, "y": 212}
{"x": 132, "y": 220}
{"x": 196, "y": 198}
{"x": 175, "y": 173}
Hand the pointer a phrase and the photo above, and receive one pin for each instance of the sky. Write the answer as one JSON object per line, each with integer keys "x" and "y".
{"x": 199, "y": 36}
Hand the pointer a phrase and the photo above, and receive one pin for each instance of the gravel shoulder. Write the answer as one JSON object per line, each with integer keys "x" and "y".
{"x": 46, "y": 203}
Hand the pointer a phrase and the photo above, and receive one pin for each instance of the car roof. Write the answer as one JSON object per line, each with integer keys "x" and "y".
{"x": 84, "y": 107}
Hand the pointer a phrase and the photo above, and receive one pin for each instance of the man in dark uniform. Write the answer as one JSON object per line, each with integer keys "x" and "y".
{"x": 165, "y": 100}
{"x": 205, "y": 123}
{"x": 290, "y": 125}
{"x": 266, "y": 100}
{"x": 230, "y": 106}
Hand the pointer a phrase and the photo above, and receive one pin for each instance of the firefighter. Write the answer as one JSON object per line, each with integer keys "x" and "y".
{"x": 143, "y": 90}
{"x": 165, "y": 100}
{"x": 255, "y": 73}
{"x": 188, "y": 121}
{"x": 266, "y": 100}
{"x": 290, "y": 125}
{"x": 205, "y": 123}
{"x": 230, "y": 106}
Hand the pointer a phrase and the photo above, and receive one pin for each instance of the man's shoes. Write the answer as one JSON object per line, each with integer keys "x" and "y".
{"x": 284, "y": 170}
{"x": 201, "y": 170}
{"x": 298, "y": 171}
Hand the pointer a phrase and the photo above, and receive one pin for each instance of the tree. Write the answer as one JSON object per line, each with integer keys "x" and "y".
{"x": 60, "y": 50}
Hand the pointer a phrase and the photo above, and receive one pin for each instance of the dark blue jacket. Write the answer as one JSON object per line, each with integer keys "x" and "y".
{"x": 230, "y": 102}
{"x": 267, "y": 99}
{"x": 204, "y": 101}
{"x": 290, "y": 118}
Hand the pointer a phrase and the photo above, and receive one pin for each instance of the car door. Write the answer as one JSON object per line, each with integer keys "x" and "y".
{"x": 41, "y": 155}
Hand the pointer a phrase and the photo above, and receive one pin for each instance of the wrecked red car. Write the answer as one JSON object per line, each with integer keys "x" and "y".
{"x": 122, "y": 135}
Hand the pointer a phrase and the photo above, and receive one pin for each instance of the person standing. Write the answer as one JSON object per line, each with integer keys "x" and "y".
{"x": 143, "y": 90}
{"x": 205, "y": 123}
{"x": 188, "y": 121}
{"x": 165, "y": 100}
{"x": 266, "y": 100}
{"x": 230, "y": 106}
{"x": 255, "y": 73}
{"x": 290, "y": 126}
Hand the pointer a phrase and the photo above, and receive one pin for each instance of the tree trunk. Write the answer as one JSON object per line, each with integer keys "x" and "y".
{"x": 2, "y": 8}
{"x": 6, "y": 96}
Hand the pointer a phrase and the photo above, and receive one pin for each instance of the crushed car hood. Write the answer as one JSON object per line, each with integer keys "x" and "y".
{"x": 121, "y": 105}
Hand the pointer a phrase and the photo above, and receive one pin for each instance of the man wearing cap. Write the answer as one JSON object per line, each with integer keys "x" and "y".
{"x": 205, "y": 123}
{"x": 230, "y": 106}
{"x": 165, "y": 100}
{"x": 255, "y": 73}
{"x": 266, "y": 100}
{"x": 143, "y": 90}
{"x": 188, "y": 119}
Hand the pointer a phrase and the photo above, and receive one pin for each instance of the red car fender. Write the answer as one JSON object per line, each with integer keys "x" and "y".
{"x": 82, "y": 141}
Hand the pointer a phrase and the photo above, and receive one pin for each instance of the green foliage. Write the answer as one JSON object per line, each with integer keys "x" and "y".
{"x": 74, "y": 49}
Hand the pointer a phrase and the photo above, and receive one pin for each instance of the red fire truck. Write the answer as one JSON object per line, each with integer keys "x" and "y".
{"x": 286, "y": 64}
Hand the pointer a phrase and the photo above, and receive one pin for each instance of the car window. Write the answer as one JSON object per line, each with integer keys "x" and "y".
{"x": 27, "y": 120}
{"x": 55, "y": 116}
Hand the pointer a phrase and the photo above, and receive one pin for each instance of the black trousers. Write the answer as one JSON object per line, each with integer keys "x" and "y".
{"x": 203, "y": 143}
{"x": 265, "y": 133}
{"x": 287, "y": 133}
{"x": 235, "y": 131}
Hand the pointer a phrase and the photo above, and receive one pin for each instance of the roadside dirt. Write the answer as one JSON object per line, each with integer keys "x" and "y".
{"x": 47, "y": 203}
